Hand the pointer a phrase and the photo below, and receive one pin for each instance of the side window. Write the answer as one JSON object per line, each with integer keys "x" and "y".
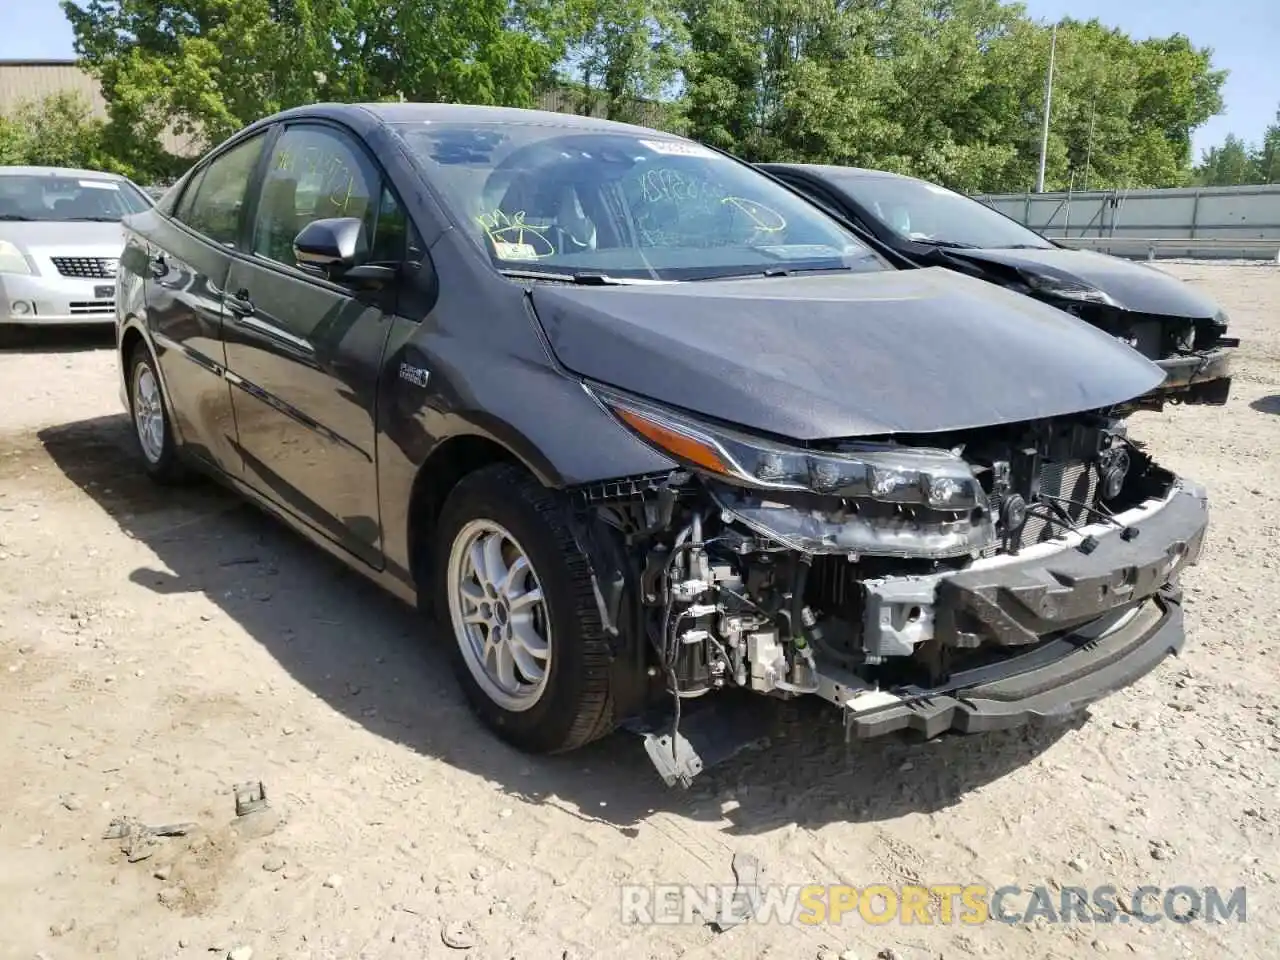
{"x": 218, "y": 199}
{"x": 395, "y": 238}
{"x": 183, "y": 210}
{"x": 314, "y": 173}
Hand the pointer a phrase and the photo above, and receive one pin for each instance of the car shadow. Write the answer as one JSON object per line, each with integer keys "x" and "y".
{"x": 372, "y": 659}
{"x": 73, "y": 339}
{"x": 1268, "y": 404}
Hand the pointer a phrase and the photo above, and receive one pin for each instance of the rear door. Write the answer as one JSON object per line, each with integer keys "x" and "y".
{"x": 189, "y": 258}
{"x": 303, "y": 353}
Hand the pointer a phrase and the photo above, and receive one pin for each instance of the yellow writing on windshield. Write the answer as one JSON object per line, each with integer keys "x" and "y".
{"x": 764, "y": 219}
{"x": 513, "y": 239}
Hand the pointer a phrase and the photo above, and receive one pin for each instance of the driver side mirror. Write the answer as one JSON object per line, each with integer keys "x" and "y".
{"x": 335, "y": 249}
{"x": 331, "y": 247}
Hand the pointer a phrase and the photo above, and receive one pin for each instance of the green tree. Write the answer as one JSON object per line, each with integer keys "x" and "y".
{"x": 1236, "y": 163}
{"x": 57, "y": 131}
{"x": 964, "y": 75}
{"x": 1229, "y": 165}
{"x": 1123, "y": 112}
{"x": 11, "y": 143}
{"x": 205, "y": 68}
{"x": 951, "y": 90}
{"x": 946, "y": 89}
{"x": 1267, "y": 157}
{"x": 627, "y": 55}
{"x": 785, "y": 79}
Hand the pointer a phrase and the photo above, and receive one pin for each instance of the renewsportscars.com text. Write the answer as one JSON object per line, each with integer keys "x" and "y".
{"x": 965, "y": 904}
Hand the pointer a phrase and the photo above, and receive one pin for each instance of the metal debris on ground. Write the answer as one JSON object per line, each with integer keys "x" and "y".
{"x": 742, "y": 902}
{"x": 255, "y": 817}
{"x": 138, "y": 840}
{"x": 250, "y": 797}
{"x": 459, "y": 936}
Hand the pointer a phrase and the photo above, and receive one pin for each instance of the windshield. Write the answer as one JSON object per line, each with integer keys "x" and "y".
{"x": 926, "y": 212}
{"x": 58, "y": 198}
{"x": 557, "y": 200}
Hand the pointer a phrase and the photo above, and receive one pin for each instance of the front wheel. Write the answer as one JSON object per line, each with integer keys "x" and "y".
{"x": 515, "y": 593}
{"x": 152, "y": 425}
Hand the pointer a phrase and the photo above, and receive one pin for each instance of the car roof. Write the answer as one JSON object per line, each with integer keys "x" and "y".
{"x": 848, "y": 173}
{"x": 395, "y": 113}
{"x": 58, "y": 172}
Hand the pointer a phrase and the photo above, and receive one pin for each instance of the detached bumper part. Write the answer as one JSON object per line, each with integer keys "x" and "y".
{"x": 1021, "y": 602}
{"x": 1078, "y": 672}
{"x": 1202, "y": 378}
{"x": 1112, "y": 611}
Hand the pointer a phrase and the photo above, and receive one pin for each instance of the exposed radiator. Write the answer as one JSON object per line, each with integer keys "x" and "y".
{"x": 1074, "y": 481}
{"x": 1076, "y": 485}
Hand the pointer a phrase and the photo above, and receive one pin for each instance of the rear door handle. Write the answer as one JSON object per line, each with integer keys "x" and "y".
{"x": 239, "y": 303}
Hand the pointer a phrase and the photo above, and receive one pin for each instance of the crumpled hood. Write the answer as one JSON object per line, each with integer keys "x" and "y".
{"x": 842, "y": 355}
{"x": 1133, "y": 285}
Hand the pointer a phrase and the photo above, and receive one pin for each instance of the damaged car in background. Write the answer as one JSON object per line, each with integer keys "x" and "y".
{"x": 924, "y": 224}
{"x": 645, "y": 432}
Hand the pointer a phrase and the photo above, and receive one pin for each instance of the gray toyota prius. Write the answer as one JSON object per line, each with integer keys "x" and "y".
{"x": 644, "y": 431}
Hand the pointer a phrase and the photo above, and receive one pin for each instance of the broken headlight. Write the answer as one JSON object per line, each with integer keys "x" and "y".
{"x": 938, "y": 479}
{"x": 1063, "y": 288}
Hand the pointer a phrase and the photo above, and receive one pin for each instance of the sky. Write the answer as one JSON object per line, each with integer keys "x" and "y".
{"x": 1244, "y": 35}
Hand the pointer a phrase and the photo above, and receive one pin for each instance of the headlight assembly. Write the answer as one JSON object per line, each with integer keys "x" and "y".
{"x": 938, "y": 479}
{"x": 1064, "y": 289}
{"x": 12, "y": 260}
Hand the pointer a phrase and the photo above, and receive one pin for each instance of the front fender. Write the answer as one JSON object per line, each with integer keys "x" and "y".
{"x": 437, "y": 389}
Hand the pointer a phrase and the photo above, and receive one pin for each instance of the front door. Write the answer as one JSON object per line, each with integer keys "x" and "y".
{"x": 303, "y": 353}
{"x": 185, "y": 272}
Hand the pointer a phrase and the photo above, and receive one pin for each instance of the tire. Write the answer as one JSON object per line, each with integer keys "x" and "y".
{"x": 573, "y": 704}
{"x": 160, "y": 457}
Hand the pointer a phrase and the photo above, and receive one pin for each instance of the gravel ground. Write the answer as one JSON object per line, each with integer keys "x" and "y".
{"x": 158, "y": 648}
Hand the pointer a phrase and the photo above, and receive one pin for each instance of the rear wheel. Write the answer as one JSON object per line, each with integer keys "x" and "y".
{"x": 151, "y": 421}
{"x": 516, "y": 595}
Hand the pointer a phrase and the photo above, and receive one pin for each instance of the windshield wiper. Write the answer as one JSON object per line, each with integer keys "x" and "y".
{"x": 13, "y": 216}
{"x": 772, "y": 272}
{"x": 949, "y": 244}
{"x": 92, "y": 220}
{"x": 581, "y": 278}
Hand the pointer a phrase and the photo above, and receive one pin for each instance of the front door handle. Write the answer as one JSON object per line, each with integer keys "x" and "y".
{"x": 239, "y": 303}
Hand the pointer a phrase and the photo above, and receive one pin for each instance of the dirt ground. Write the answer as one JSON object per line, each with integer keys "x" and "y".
{"x": 157, "y": 648}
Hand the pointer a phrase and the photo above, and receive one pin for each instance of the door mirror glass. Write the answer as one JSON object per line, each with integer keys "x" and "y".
{"x": 331, "y": 247}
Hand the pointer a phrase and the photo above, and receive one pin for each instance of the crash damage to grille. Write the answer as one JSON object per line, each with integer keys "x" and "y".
{"x": 88, "y": 268}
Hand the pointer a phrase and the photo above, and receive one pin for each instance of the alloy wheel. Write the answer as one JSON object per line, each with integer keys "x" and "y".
{"x": 499, "y": 615}
{"x": 148, "y": 413}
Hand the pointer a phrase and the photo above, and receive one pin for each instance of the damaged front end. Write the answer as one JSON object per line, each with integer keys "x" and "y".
{"x": 1195, "y": 352}
{"x": 947, "y": 582}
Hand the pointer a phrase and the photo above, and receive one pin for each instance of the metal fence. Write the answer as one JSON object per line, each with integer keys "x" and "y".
{"x": 1234, "y": 222}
